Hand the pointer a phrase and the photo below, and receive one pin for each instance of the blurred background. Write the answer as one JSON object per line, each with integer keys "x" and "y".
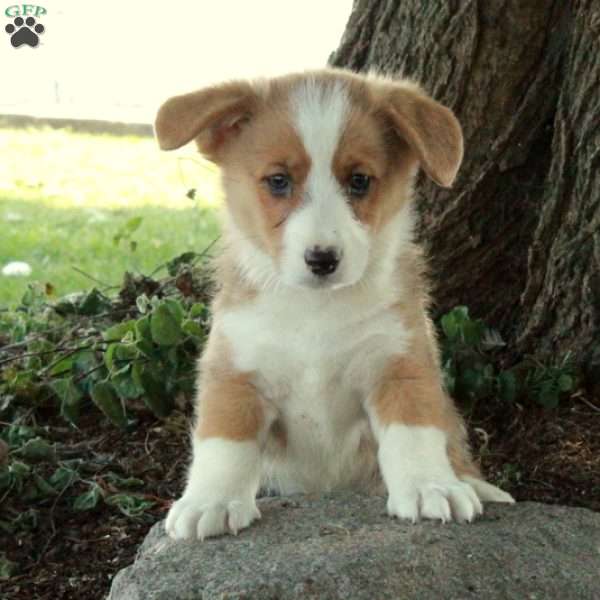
{"x": 84, "y": 197}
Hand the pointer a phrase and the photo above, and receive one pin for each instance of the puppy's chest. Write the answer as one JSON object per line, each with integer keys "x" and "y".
{"x": 314, "y": 363}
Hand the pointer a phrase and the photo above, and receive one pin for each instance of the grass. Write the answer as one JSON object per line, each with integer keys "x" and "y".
{"x": 64, "y": 196}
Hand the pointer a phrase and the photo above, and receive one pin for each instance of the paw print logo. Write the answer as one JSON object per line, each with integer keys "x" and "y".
{"x": 24, "y": 32}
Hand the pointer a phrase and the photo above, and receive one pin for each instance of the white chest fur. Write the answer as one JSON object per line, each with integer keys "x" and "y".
{"x": 316, "y": 356}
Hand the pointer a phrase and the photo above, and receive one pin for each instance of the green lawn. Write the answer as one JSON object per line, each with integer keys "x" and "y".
{"x": 64, "y": 196}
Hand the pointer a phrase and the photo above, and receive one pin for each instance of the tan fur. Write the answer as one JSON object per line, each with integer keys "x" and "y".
{"x": 228, "y": 404}
{"x": 431, "y": 130}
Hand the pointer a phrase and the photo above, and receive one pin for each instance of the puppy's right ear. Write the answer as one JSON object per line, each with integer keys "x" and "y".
{"x": 212, "y": 116}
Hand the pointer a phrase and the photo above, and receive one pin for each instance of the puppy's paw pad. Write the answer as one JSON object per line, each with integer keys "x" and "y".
{"x": 190, "y": 519}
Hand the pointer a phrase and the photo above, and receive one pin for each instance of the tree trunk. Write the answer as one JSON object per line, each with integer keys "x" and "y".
{"x": 517, "y": 239}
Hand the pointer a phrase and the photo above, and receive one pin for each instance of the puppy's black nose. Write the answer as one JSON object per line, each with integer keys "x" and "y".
{"x": 322, "y": 262}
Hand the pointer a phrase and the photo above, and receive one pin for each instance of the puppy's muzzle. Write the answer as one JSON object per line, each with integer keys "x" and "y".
{"x": 322, "y": 262}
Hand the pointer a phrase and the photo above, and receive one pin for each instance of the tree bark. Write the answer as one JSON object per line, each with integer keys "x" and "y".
{"x": 517, "y": 239}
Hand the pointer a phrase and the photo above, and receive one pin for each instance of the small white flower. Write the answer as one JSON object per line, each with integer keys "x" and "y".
{"x": 16, "y": 268}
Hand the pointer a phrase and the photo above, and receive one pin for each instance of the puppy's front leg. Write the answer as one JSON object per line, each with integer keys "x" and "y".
{"x": 224, "y": 476}
{"x": 415, "y": 424}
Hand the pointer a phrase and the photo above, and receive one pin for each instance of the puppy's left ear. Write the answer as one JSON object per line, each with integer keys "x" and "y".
{"x": 213, "y": 116}
{"x": 431, "y": 130}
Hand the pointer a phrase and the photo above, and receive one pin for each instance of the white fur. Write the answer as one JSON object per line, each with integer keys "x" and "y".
{"x": 324, "y": 218}
{"x": 315, "y": 357}
{"x": 418, "y": 475}
{"x": 220, "y": 495}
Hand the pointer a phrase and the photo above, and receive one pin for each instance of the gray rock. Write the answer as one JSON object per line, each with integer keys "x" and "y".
{"x": 344, "y": 546}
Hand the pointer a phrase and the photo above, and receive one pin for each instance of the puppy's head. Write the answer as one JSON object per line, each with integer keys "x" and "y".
{"x": 315, "y": 165}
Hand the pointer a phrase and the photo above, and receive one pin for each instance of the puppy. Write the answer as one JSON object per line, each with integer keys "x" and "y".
{"x": 321, "y": 371}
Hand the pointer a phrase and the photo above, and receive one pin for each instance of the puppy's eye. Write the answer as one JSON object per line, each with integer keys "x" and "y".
{"x": 279, "y": 184}
{"x": 358, "y": 185}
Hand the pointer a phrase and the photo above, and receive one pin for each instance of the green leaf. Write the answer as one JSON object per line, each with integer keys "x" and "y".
{"x": 155, "y": 395}
{"x": 130, "y": 506}
{"x": 147, "y": 348}
{"x": 34, "y": 296}
{"x": 14, "y": 476}
{"x": 176, "y": 309}
{"x": 105, "y": 398}
{"x": 70, "y": 398}
{"x": 449, "y": 326}
{"x": 17, "y": 435}
{"x": 25, "y": 521}
{"x": 197, "y": 310}
{"x": 38, "y": 449}
{"x": 89, "y": 499}
{"x": 192, "y": 328}
{"x": 62, "y": 366}
{"x": 69, "y": 304}
{"x": 142, "y": 329}
{"x": 7, "y": 567}
{"x": 119, "y": 331}
{"x": 164, "y": 327}
{"x": 24, "y": 383}
{"x": 143, "y": 303}
{"x": 93, "y": 303}
{"x": 125, "y": 385}
{"x": 124, "y": 354}
{"x": 566, "y": 383}
{"x": 109, "y": 356}
{"x": 44, "y": 489}
{"x": 123, "y": 482}
{"x": 63, "y": 478}
{"x": 472, "y": 332}
{"x": 473, "y": 382}
{"x": 548, "y": 395}
{"x": 461, "y": 313}
{"x": 133, "y": 224}
{"x": 85, "y": 361}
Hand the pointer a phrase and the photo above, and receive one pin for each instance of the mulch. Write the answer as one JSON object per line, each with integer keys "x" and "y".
{"x": 534, "y": 453}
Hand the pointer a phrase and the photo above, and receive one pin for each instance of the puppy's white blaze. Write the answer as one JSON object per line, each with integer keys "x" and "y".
{"x": 418, "y": 475}
{"x": 319, "y": 113}
{"x": 220, "y": 494}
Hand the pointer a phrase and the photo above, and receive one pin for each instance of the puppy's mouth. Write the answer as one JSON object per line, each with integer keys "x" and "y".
{"x": 315, "y": 282}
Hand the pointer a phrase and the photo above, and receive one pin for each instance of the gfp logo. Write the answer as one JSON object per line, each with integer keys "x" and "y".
{"x": 24, "y": 28}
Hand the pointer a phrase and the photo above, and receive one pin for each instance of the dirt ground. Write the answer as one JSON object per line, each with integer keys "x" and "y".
{"x": 536, "y": 454}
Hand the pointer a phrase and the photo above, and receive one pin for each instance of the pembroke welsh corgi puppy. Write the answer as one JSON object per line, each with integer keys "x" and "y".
{"x": 321, "y": 371}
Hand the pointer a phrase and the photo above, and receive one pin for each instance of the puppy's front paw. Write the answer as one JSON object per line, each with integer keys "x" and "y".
{"x": 445, "y": 500}
{"x": 191, "y": 518}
